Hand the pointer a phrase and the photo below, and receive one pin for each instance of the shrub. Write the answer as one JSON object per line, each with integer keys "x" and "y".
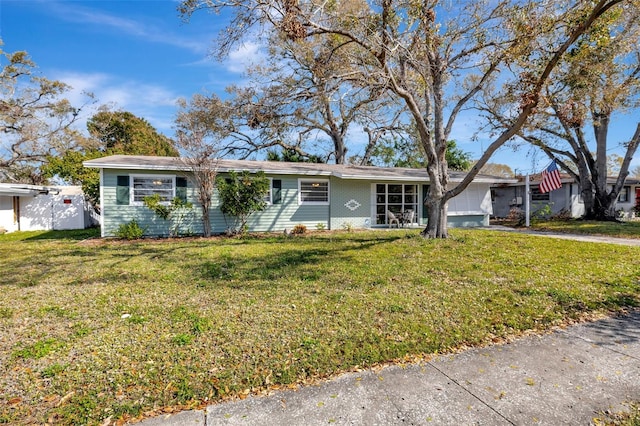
{"x": 241, "y": 194}
{"x": 130, "y": 231}
{"x": 174, "y": 212}
{"x": 542, "y": 213}
{"x": 563, "y": 214}
{"x": 320, "y": 226}
{"x": 299, "y": 229}
{"x": 347, "y": 226}
{"x": 516, "y": 215}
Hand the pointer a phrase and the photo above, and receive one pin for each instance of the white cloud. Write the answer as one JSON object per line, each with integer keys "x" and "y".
{"x": 152, "y": 102}
{"x": 149, "y": 32}
{"x": 246, "y": 55}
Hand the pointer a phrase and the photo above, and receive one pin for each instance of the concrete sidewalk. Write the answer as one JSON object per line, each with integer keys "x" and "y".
{"x": 563, "y": 236}
{"x": 561, "y": 378}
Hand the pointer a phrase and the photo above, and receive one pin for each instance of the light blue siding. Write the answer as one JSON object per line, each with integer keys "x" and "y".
{"x": 351, "y": 205}
{"x": 113, "y": 215}
{"x": 275, "y": 217}
{"x": 289, "y": 213}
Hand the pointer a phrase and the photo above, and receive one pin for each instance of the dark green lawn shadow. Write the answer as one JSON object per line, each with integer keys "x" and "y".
{"x": 72, "y": 234}
{"x": 308, "y": 262}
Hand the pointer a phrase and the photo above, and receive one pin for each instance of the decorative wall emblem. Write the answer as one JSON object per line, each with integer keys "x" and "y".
{"x": 352, "y": 205}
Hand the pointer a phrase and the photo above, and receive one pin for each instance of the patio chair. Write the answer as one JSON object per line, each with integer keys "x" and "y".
{"x": 392, "y": 218}
{"x": 407, "y": 217}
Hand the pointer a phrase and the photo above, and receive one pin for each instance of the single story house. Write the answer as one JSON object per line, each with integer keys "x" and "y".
{"x": 568, "y": 198}
{"x": 41, "y": 208}
{"x": 326, "y": 196}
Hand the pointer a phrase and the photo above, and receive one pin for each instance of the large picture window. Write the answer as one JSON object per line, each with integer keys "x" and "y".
{"x": 313, "y": 191}
{"x": 398, "y": 199}
{"x": 144, "y": 186}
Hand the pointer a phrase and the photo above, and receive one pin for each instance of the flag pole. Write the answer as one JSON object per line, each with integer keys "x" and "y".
{"x": 526, "y": 201}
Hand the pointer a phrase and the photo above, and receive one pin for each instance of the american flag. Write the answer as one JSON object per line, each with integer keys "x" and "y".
{"x": 550, "y": 178}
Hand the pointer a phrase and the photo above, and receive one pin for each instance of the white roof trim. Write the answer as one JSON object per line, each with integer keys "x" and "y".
{"x": 297, "y": 169}
{"x": 12, "y": 189}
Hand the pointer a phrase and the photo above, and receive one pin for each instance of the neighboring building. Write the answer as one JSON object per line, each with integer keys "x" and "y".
{"x": 568, "y": 199}
{"x": 328, "y": 196}
{"x": 37, "y": 208}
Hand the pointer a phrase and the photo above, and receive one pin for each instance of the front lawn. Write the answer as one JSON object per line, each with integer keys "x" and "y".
{"x": 630, "y": 229}
{"x": 94, "y": 330}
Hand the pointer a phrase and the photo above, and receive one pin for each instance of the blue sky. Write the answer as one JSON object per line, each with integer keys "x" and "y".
{"x": 137, "y": 55}
{"x": 140, "y": 57}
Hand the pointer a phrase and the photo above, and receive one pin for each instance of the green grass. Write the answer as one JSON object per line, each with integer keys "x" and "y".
{"x": 75, "y": 234}
{"x": 626, "y": 418}
{"x": 629, "y": 229}
{"x": 95, "y": 329}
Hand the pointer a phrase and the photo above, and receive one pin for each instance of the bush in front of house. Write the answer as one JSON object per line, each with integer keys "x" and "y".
{"x": 636, "y": 208}
{"x": 241, "y": 195}
{"x": 130, "y": 231}
{"x": 174, "y": 212}
{"x": 299, "y": 229}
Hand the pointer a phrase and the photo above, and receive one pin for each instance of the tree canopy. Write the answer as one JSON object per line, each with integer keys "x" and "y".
{"x": 111, "y": 132}
{"x": 598, "y": 78}
{"x": 431, "y": 58}
{"x": 122, "y": 132}
{"x": 406, "y": 152}
{"x": 35, "y": 120}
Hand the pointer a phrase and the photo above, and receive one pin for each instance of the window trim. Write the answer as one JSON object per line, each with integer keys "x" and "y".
{"x": 537, "y": 196}
{"x": 269, "y": 197}
{"x": 415, "y": 206}
{"x": 314, "y": 203}
{"x": 149, "y": 176}
{"x": 626, "y": 190}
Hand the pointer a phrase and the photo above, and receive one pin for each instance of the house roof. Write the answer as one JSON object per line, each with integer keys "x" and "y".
{"x": 566, "y": 178}
{"x": 343, "y": 171}
{"x": 18, "y": 189}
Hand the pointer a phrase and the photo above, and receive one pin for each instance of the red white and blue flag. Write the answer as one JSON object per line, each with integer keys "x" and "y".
{"x": 550, "y": 178}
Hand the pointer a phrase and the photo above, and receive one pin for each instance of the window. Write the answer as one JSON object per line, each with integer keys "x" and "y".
{"x": 623, "y": 196}
{"x": 274, "y": 196}
{"x": 276, "y": 191}
{"x": 313, "y": 191}
{"x": 536, "y": 195}
{"x": 268, "y": 198}
{"x": 144, "y": 186}
{"x": 395, "y": 198}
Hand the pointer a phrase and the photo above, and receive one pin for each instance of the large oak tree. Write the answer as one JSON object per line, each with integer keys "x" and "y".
{"x": 432, "y": 57}
{"x": 35, "y": 120}
{"x": 299, "y": 100}
{"x": 597, "y": 79}
{"x": 110, "y": 133}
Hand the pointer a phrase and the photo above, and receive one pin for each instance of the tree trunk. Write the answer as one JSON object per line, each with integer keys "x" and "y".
{"x": 206, "y": 223}
{"x": 436, "y": 218}
{"x": 340, "y": 150}
{"x": 600, "y": 130}
{"x": 604, "y": 207}
{"x": 436, "y": 203}
{"x": 586, "y": 190}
